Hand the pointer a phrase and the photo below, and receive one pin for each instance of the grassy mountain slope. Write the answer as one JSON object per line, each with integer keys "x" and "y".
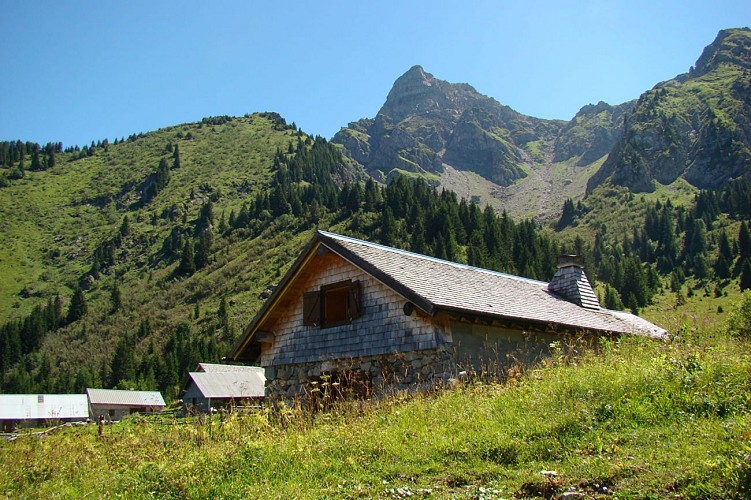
{"x": 55, "y": 220}
{"x": 696, "y": 126}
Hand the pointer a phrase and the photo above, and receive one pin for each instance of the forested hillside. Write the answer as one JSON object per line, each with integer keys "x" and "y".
{"x": 169, "y": 275}
{"x": 126, "y": 262}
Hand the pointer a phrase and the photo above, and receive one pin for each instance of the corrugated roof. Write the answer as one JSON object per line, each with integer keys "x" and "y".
{"x": 235, "y": 384}
{"x": 43, "y": 406}
{"x": 125, "y": 398}
{"x": 435, "y": 284}
{"x": 212, "y": 367}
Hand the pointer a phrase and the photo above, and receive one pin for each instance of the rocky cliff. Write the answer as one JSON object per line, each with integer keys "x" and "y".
{"x": 696, "y": 126}
{"x": 470, "y": 143}
{"x": 426, "y": 123}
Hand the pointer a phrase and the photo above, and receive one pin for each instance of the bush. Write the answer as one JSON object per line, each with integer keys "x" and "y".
{"x": 739, "y": 320}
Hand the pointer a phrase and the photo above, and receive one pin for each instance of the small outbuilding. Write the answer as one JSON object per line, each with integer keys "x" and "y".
{"x": 214, "y": 386}
{"x": 35, "y": 410}
{"x": 116, "y": 404}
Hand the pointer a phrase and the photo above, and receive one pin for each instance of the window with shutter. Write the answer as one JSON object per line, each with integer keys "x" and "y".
{"x": 311, "y": 308}
{"x": 333, "y": 305}
{"x": 354, "y": 301}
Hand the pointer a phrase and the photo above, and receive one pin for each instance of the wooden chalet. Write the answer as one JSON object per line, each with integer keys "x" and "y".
{"x": 356, "y": 317}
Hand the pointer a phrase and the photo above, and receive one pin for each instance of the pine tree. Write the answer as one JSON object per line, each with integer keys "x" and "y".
{"x": 77, "y": 308}
{"x": 187, "y": 264}
{"x": 567, "y": 215}
{"x": 176, "y": 157}
{"x": 123, "y": 362}
{"x": 745, "y": 280}
{"x": 612, "y": 300}
{"x": 115, "y": 298}
{"x": 723, "y": 246}
{"x": 205, "y": 218}
{"x": 721, "y": 267}
{"x": 224, "y": 320}
{"x": 744, "y": 241}
{"x": 202, "y": 249}
{"x": 701, "y": 267}
{"x": 388, "y": 228}
{"x": 125, "y": 227}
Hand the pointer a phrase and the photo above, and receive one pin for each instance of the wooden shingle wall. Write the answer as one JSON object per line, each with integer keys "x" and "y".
{"x": 383, "y": 327}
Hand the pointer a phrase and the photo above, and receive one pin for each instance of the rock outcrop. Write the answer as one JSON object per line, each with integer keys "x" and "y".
{"x": 696, "y": 126}
{"x": 426, "y": 122}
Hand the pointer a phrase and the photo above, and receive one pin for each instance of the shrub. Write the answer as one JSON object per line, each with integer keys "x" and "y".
{"x": 739, "y": 319}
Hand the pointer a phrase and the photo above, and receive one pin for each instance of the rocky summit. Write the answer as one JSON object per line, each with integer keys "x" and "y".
{"x": 695, "y": 127}
{"x": 468, "y": 142}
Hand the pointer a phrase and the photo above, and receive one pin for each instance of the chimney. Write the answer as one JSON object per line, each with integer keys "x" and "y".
{"x": 572, "y": 284}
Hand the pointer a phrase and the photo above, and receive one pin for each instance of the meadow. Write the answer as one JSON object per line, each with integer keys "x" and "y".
{"x": 629, "y": 418}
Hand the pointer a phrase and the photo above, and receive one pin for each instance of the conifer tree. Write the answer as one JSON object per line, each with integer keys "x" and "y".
{"x": 744, "y": 241}
{"x": 745, "y": 280}
{"x": 77, "y": 307}
{"x": 35, "y": 163}
{"x": 123, "y": 362}
{"x": 176, "y": 157}
{"x": 187, "y": 264}
{"x": 388, "y": 228}
{"x": 721, "y": 267}
{"x": 115, "y": 298}
{"x": 224, "y": 320}
{"x": 723, "y": 246}
{"x": 125, "y": 227}
{"x": 701, "y": 267}
{"x": 202, "y": 249}
{"x": 612, "y": 300}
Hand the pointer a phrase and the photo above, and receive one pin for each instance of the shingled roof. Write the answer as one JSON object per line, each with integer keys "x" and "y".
{"x": 434, "y": 285}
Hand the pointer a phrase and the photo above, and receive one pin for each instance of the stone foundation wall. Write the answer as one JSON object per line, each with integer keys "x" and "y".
{"x": 370, "y": 376}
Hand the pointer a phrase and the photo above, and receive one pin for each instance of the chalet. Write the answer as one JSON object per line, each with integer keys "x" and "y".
{"x": 369, "y": 319}
{"x": 223, "y": 386}
{"x": 33, "y": 410}
{"x": 116, "y": 404}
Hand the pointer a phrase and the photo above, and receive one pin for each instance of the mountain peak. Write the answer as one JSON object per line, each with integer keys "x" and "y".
{"x": 731, "y": 46}
{"x": 409, "y": 90}
{"x": 416, "y": 72}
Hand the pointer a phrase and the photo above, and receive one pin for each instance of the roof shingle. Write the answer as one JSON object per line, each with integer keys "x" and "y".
{"x": 436, "y": 284}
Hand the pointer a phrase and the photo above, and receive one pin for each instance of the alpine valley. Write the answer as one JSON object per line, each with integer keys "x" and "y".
{"x": 125, "y": 262}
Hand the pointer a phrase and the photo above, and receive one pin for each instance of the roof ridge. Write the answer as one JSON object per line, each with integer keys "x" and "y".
{"x": 336, "y": 236}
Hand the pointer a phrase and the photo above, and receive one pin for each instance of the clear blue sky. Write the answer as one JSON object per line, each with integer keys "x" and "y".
{"x": 77, "y": 71}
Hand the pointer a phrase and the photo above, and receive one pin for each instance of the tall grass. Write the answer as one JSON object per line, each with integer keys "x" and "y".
{"x": 634, "y": 418}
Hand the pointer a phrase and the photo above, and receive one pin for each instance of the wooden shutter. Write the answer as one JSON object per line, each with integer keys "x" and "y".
{"x": 311, "y": 308}
{"x": 354, "y": 303}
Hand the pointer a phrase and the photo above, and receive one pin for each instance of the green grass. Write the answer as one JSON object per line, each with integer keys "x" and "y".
{"x": 51, "y": 221}
{"x": 643, "y": 419}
